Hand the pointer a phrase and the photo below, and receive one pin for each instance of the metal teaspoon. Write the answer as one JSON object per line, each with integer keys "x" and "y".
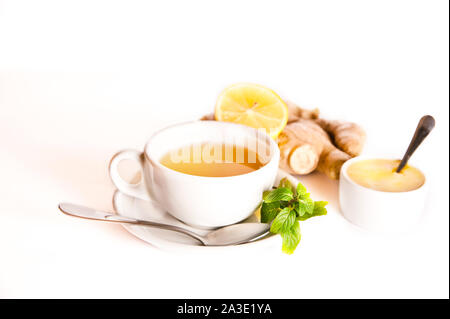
{"x": 224, "y": 236}
{"x": 426, "y": 124}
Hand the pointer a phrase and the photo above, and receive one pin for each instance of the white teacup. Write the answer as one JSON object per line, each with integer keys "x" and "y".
{"x": 377, "y": 210}
{"x": 200, "y": 201}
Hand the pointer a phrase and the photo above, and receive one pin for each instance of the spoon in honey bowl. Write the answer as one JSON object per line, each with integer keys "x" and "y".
{"x": 225, "y": 236}
{"x": 426, "y": 124}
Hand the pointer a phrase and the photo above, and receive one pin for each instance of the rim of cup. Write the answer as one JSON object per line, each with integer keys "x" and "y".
{"x": 272, "y": 144}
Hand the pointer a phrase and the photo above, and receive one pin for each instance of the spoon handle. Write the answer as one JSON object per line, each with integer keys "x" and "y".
{"x": 426, "y": 124}
{"x": 75, "y": 210}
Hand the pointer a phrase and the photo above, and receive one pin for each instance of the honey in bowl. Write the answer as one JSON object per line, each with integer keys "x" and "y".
{"x": 380, "y": 175}
{"x": 212, "y": 160}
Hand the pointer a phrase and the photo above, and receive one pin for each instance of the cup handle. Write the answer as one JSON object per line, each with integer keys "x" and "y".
{"x": 136, "y": 190}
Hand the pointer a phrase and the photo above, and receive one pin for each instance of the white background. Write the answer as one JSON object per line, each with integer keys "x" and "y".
{"x": 80, "y": 80}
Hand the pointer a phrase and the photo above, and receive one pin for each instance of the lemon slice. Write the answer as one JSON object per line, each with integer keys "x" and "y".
{"x": 252, "y": 105}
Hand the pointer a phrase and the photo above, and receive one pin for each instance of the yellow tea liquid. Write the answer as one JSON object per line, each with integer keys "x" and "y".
{"x": 212, "y": 160}
{"x": 380, "y": 175}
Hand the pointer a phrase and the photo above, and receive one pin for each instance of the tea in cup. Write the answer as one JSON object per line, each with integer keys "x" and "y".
{"x": 205, "y": 173}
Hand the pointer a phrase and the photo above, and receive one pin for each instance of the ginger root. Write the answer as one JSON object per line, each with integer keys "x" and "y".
{"x": 308, "y": 142}
{"x": 347, "y": 136}
{"x": 295, "y": 113}
{"x": 208, "y": 117}
{"x": 305, "y": 146}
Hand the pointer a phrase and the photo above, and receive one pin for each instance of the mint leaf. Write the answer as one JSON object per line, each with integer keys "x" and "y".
{"x": 291, "y": 238}
{"x": 284, "y": 221}
{"x": 319, "y": 210}
{"x": 284, "y": 182}
{"x": 279, "y": 194}
{"x": 290, "y": 220}
{"x": 301, "y": 190}
{"x": 269, "y": 211}
{"x": 306, "y": 206}
{"x": 265, "y": 193}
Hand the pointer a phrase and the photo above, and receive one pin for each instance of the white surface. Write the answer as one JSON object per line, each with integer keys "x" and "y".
{"x": 82, "y": 80}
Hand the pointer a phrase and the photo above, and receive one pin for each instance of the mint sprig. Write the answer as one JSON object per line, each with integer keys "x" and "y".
{"x": 279, "y": 194}
{"x": 284, "y": 207}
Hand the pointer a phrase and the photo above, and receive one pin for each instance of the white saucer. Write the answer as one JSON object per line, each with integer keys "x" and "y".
{"x": 138, "y": 208}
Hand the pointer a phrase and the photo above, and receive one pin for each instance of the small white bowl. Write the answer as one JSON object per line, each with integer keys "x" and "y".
{"x": 377, "y": 210}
